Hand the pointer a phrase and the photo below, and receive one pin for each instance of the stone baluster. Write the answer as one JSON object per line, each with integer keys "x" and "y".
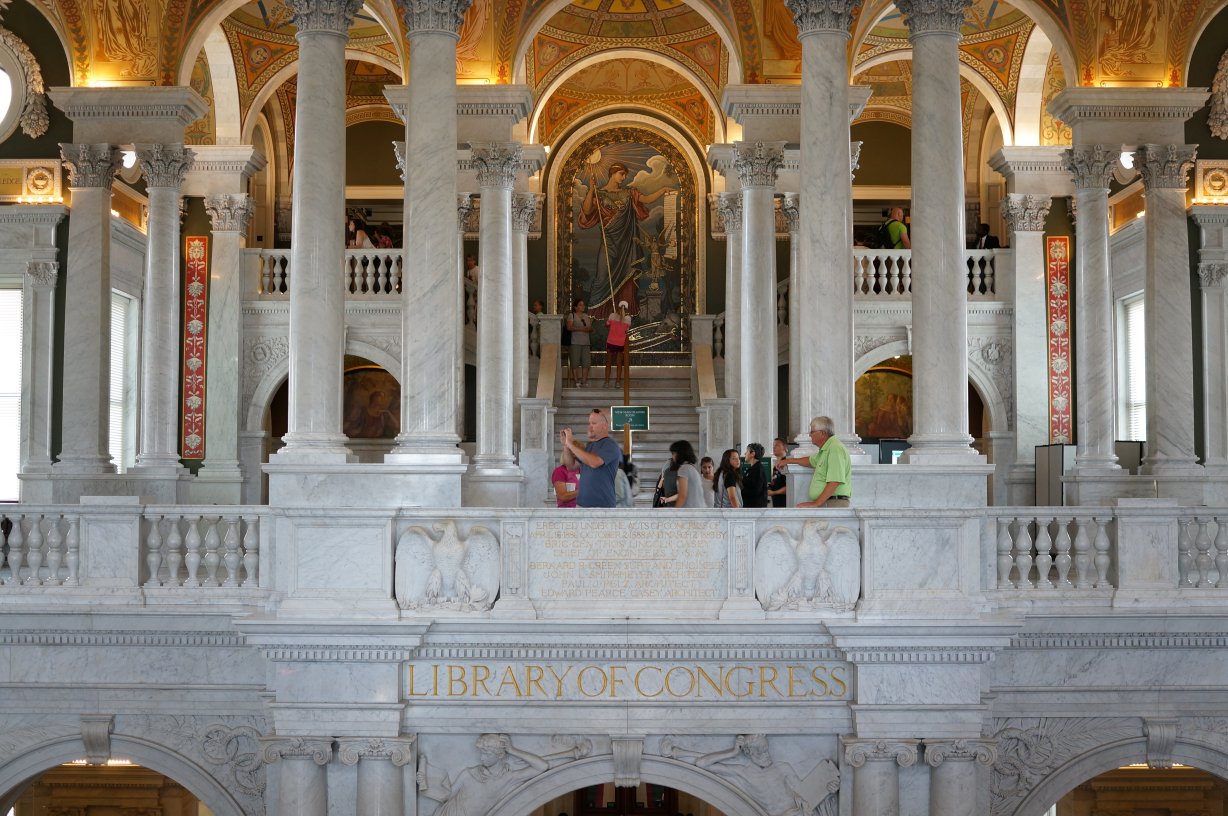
{"x": 1023, "y": 553}
{"x": 876, "y": 780}
{"x": 822, "y": 351}
{"x": 940, "y": 343}
{"x": 1044, "y": 553}
{"x": 1083, "y": 554}
{"x": 17, "y": 551}
{"x": 1062, "y": 545}
{"x": 730, "y": 207}
{"x": 38, "y": 364}
{"x": 72, "y": 552}
{"x": 231, "y": 557}
{"x": 1005, "y": 561}
{"x": 1102, "y": 558}
{"x": 381, "y": 780}
{"x": 524, "y": 214}
{"x": 174, "y": 554}
{"x": 55, "y": 555}
{"x": 791, "y": 207}
{"x": 164, "y": 166}
{"x": 251, "y": 551}
{"x": 303, "y": 783}
{"x": 1185, "y": 554}
{"x": 953, "y": 774}
{"x": 193, "y": 552}
{"x": 212, "y": 544}
{"x": 317, "y": 293}
{"x": 87, "y": 310}
{"x": 1202, "y": 561}
{"x": 153, "y": 551}
{"x": 432, "y": 318}
{"x": 34, "y": 550}
{"x": 757, "y": 164}
{"x": 1221, "y": 551}
{"x": 1168, "y": 313}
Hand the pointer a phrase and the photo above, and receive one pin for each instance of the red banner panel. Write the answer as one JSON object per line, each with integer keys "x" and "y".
{"x": 1057, "y": 291}
{"x": 195, "y": 323}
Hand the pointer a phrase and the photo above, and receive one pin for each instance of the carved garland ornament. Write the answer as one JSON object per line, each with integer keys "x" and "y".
{"x": 933, "y": 16}
{"x": 90, "y": 165}
{"x": 1217, "y": 119}
{"x": 398, "y": 150}
{"x": 822, "y": 15}
{"x": 34, "y": 121}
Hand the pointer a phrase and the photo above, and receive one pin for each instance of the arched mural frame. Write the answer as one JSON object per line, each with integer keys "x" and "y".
{"x": 671, "y": 146}
{"x": 653, "y": 769}
{"x": 34, "y": 761}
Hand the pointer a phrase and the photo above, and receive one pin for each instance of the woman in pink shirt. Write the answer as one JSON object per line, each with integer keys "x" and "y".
{"x": 616, "y": 344}
{"x": 566, "y": 479}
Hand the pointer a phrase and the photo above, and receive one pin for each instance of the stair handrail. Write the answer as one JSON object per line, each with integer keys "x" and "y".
{"x": 715, "y": 412}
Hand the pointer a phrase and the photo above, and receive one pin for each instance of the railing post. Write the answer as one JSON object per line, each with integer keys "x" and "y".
{"x": 1147, "y": 555}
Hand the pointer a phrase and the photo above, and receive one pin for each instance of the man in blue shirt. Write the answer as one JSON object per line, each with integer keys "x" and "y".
{"x": 598, "y": 461}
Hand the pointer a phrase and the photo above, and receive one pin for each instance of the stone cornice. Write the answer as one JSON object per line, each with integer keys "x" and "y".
{"x": 522, "y": 651}
{"x": 1170, "y": 640}
{"x": 1206, "y": 215}
{"x": 857, "y": 752}
{"x": 34, "y": 214}
{"x": 512, "y": 102}
{"x": 741, "y": 102}
{"x": 1012, "y": 161}
{"x": 122, "y": 638}
{"x": 226, "y": 159}
{"x": 1078, "y": 105}
{"x": 329, "y": 653}
{"x": 173, "y": 103}
{"x": 920, "y": 654}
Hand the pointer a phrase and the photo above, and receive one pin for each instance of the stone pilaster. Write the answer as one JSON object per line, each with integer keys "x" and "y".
{"x": 37, "y": 364}
{"x": 939, "y": 289}
{"x": 303, "y": 788}
{"x": 87, "y": 311}
{"x": 757, "y": 164}
{"x": 525, "y": 209}
{"x": 381, "y": 778}
{"x": 791, "y": 207}
{"x": 876, "y": 778}
{"x": 1213, "y": 277}
{"x": 729, "y": 206}
{"x": 953, "y": 775}
{"x": 164, "y": 167}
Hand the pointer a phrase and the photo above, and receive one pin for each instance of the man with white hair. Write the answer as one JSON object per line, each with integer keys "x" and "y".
{"x": 832, "y": 483}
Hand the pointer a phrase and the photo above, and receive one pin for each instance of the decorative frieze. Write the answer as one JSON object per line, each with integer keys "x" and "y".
{"x": 324, "y": 16}
{"x": 933, "y": 16}
{"x": 164, "y": 165}
{"x": 90, "y": 165}
{"x": 757, "y": 163}
{"x": 822, "y": 15}
{"x": 777, "y": 786}
{"x": 939, "y": 751}
{"x": 857, "y": 752}
{"x": 400, "y": 752}
{"x": 1025, "y": 212}
{"x": 1165, "y": 167}
{"x": 318, "y": 749}
{"x": 497, "y": 164}
{"x": 229, "y": 213}
{"x": 440, "y": 16}
{"x": 1091, "y": 165}
{"x": 43, "y": 273}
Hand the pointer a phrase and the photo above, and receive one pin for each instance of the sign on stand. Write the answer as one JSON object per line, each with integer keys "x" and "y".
{"x": 635, "y": 415}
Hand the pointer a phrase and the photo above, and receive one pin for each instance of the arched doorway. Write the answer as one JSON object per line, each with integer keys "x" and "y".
{"x": 644, "y": 799}
{"x": 119, "y": 786}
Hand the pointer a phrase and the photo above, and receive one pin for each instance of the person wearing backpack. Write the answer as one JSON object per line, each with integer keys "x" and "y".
{"x": 893, "y": 233}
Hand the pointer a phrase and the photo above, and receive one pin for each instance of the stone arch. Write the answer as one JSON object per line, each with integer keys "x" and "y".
{"x": 654, "y": 769}
{"x": 1030, "y": 97}
{"x": 1113, "y": 755}
{"x": 1196, "y": 36}
{"x": 543, "y": 94}
{"x": 548, "y": 10}
{"x": 227, "y": 114}
{"x": 33, "y": 761}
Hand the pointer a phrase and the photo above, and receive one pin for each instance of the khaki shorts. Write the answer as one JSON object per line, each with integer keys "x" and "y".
{"x": 836, "y": 501}
{"x": 580, "y": 356}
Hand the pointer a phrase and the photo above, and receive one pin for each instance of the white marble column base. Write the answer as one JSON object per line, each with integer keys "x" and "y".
{"x": 1020, "y": 486}
{"x": 1090, "y": 487}
{"x": 60, "y": 488}
{"x": 426, "y": 455}
{"x": 312, "y": 447}
{"x": 83, "y": 465}
{"x": 310, "y": 484}
{"x": 220, "y": 483}
{"x": 941, "y": 449}
{"x": 494, "y": 487}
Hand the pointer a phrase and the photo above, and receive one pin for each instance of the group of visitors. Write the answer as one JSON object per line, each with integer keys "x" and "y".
{"x": 359, "y": 236}
{"x": 599, "y": 475}
{"x": 578, "y": 331}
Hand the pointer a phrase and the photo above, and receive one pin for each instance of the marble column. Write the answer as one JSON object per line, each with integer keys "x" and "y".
{"x": 757, "y": 164}
{"x": 381, "y": 778}
{"x": 230, "y": 215}
{"x": 730, "y": 207}
{"x": 464, "y": 206}
{"x": 1168, "y": 311}
{"x": 953, "y": 778}
{"x": 1212, "y": 272}
{"x": 37, "y": 364}
{"x": 1025, "y": 218}
{"x": 164, "y": 166}
{"x": 939, "y": 284}
{"x": 317, "y": 246}
{"x": 524, "y": 216}
{"x": 496, "y": 165}
{"x": 823, "y": 354}
{"x": 432, "y": 319}
{"x": 303, "y": 781}
{"x": 87, "y": 310}
{"x": 792, "y": 210}
{"x": 876, "y": 778}
{"x": 1092, "y": 167}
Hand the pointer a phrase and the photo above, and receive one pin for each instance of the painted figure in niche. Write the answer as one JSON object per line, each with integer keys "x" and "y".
{"x": 372, "y": 400}
{"x": 123, "y": 33}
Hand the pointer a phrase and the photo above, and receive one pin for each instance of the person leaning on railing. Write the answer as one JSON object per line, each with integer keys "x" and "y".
{"x": 832, "y": 483}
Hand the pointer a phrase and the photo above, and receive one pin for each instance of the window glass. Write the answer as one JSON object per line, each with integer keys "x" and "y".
{"x": 1134, "y": 389}
{"x": 120, "y": 447}
{"x": 10, "y": 392}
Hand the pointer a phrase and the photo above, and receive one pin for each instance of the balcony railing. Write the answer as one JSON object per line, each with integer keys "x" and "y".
{"x": 368, "y": 273}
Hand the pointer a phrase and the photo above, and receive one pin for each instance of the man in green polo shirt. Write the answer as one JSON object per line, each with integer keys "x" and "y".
{"x": 832, "y": 483}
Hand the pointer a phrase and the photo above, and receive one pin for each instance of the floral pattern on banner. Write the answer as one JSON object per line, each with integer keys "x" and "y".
{"x": 1057, "y": 289}
{"x": 195, "y": 299}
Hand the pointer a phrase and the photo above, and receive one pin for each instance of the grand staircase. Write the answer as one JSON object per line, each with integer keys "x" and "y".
{"x": 671, "y": 401}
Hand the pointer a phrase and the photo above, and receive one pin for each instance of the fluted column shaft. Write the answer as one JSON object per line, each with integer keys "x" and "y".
{"x": 524, "y": 213}
{"x": 37, "y": 364}
{"x": 953, "y": 787}
{"x": 87, "y": 309}
{"x": 303, "y": 782}
{"x": 1168, "y": 313}
{"x": 164, "y": 167}
{"x": 317, "y": 293}
{"x": 230, "y": 215}
{"x": 876, "y": 778}
{"x": 757, "y": 164}
{"x": 381, "y": 778}
{"x": 432, "y": 319}
{"x": 1025, "y": 217}
{"x": 730, "y": 205}
{"x": 823, "y": 354}
{"x": 792, "y": 210}
{"x": 939, "y": 283}
{"x": 1092, "y": 167}
{"x": 497, "y": 165}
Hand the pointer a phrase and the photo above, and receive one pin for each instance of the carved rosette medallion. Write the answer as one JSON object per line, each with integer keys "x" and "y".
{"x": 858, "y": 752}
{"x": 1165, "y": 167}
{"x": 43, "y": 273}
{"x": 324, "y": 16}
{"x": 757, "y": 163}
{"x": 1091, "y": 165}
{"x": 983, "y": 752}
{"x": 464, "y": 205}
{"x": 1212, "y": 274}
{"x": 1025, "y": 212}
{"x": 229, "y": 213}
{"x": 729, "y": 206}
{"x": 318, "y": 749}
{"x": 790, "y": 206}
{"x": 398, "y": 150}
{"x": 164, "y": 165}
{"x": 933, "y": 16}
{"x": 812, "y": 16}
{"x": 90, "y": 165}
{"x": 497, "y": 164}
{"x": 437, "y": 16}
{"x": 400, "y": 752}
{"x": 525, "y": 207}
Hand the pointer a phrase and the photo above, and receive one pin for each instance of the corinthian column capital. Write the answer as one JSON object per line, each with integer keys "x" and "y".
{"x": 1212, "y": 273}
{"x": 1091, "y": 165}
{"x": 438, "y": 16}
{"x": 758, "y": 162}
{"x": 1025, "y": 212}
{"x": 813, "y": 16}
{"x": 164, "y": 165}
{"x": 860, "y": 751}
{"x": 497, "y": 163}
{"x": 729, "y": 207}
{"x": 324, "y": 16}
{"x": 43, "y": 273}
{"x": 229, "y": 213}
{"x": 90, "y": 165}
{"x": 1165, "y": 167}
{"x": 933, "y": 16}
{"x": 524, "y": 210}
{"x": 983, "y": 752}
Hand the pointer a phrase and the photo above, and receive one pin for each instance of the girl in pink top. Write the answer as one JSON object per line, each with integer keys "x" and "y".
{"x": 566, "y": 479}
{"x": 616, "y": 344}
